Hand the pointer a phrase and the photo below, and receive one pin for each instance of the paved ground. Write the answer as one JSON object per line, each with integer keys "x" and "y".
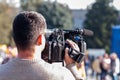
{"x": 90, "y": 78}
{"x": 94, "y": 78}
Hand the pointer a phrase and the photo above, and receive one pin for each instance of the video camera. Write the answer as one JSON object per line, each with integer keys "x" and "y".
{"x": 56, "y": 44}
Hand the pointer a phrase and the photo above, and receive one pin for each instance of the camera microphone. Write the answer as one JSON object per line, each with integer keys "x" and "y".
{"x": 84, "y": 32}
{"x": 87, "y": 32}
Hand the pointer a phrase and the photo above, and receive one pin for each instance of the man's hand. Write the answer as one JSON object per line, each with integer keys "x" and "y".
{"x": 73, "y": 45}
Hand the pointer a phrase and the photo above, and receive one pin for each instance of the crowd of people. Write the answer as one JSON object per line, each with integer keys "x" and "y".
{"x": 104, "y": 67}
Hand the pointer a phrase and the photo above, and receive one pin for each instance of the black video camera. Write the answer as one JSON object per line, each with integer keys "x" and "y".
{"x": 56, "y": 44}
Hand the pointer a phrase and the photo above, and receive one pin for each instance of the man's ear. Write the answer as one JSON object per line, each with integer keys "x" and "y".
{"x": 39, "y": 40}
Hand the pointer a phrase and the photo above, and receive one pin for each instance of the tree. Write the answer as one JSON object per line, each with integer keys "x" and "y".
{"x": 57, "y": 15}
{"x": 100, "y": 18}
{"x": 29, "y": 4}
{"x": 118, "y": 20}
{"x": 6, "y": 18}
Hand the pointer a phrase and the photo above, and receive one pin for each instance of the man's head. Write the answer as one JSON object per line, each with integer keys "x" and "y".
{"x": 28, "y": 26}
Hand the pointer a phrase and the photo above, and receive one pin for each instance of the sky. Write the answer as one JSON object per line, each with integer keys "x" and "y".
{"x": 79, "y": 4}
{"x": 82, "y": 4}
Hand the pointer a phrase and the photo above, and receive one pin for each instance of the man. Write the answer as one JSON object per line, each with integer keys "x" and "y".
{"x": 115, "y": 66}
{"x": 28, "y": 33}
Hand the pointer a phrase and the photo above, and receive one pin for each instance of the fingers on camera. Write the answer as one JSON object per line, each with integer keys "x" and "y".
{"x": 71, "y": 43}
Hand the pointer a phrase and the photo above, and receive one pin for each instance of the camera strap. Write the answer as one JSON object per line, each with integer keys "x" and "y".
{"x": 76, "y": 55}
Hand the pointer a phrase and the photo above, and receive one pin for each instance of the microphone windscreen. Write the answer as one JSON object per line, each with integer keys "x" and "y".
{"x": 87, "y": 32}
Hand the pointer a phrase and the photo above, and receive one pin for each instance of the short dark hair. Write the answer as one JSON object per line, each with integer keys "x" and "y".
{"x": 27, "y": 26}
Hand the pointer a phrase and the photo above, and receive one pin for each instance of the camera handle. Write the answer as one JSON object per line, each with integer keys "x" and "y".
{"x": 74, "y": 54}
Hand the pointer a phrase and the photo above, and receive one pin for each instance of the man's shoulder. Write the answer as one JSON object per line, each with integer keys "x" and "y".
{"x": 59, "y": 70}
{"x": 55, "y": 66}
{"x": 3, "y": 70}
{"x": 3, "y": 66}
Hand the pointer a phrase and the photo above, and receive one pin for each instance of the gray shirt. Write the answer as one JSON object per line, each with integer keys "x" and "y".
{"x": 21, "y": 69}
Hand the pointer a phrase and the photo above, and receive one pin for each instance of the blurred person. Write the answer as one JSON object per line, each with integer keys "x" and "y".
{"x": 105, "y": 66}
{"x": 9, "y": 55}
{"x": 28, "y": 33}
{"x": 87, "y": 64}
{"x": 92, "y": 58}
{"x": 81, "y": 69}
{"x": 7, "y": 58}
{"x": 96, "y": 67}
{"x": 115, "y": 66}
{"x": 13, "y": 51}
{"x": 1, "y": 59}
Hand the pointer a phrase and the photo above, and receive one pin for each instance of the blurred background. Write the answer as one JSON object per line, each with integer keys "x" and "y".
{"x": 100, "y": 16}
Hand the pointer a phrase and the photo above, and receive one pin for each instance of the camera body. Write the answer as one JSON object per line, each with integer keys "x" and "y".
{"x": 56, "y": 44}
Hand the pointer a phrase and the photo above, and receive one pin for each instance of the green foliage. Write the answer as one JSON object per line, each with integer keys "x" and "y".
{"x": 100, "y": 18}
{"x": 118, "y": 21}
{"x": 57, "y": 15}
{"x": 6, "y": 17}
{"x": 29, "y": 4}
